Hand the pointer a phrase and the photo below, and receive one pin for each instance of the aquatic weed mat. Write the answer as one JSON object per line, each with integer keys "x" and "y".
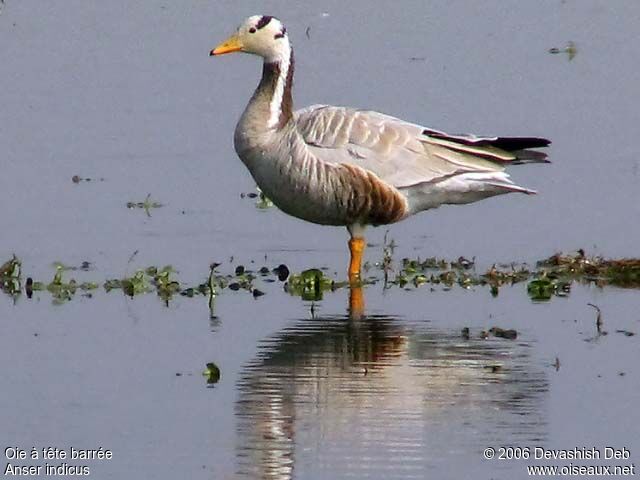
{"x": 547, "y": 278}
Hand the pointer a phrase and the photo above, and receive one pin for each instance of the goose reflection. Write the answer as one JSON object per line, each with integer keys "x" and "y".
{"x": 382, "y": 397}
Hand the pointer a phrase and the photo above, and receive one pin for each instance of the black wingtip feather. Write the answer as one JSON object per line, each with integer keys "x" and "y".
{"x": 529, "y": 156}
{"x": 519, "y": 143}
{"x": 505, "y": 143}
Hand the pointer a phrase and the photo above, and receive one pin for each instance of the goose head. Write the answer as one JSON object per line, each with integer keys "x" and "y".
{"x": 261, "y": 35}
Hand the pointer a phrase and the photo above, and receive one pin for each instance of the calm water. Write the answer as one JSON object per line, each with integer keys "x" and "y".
{"x": 377, "y": 397}
{"x": 127, "y": 94}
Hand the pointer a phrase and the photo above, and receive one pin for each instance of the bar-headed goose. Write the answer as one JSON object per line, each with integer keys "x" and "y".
{"x": 342, "y": 166}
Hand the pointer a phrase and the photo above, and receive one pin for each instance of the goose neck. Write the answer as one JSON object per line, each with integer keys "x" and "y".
{"x": 275, "y": 87}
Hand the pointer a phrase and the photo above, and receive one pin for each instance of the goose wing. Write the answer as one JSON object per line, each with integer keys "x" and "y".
{"x": 404, "y": 154}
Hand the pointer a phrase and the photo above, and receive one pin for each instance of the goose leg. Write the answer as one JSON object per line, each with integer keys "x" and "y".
{"x": 356, "y": 248}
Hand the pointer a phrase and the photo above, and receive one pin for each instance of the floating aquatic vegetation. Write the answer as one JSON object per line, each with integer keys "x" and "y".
{"x": 463, "y": 263}
{"x": 85, "y": 266}
{"x": 598, "y": 270}
{"x": 148, "y": 280}
{"x": 570, "y": 49}
{"x": 147, "y": 205}
{"x": 165, "y": 286}
{"x": 10, "y": 276}
{"x": 62, "y": 291}
{"x": 78, "y": 179}
{"x": 310, "y": 284}
{"x": 243, "y": 279}
{"x": 212, "y": 374}
{"x": 137, "y": 284}
{"x": 162, "y": 281}
{"x": 543, "y": 289}
{"x": 262, "y": 201}
{"x": 496, "y": 278}
{"x": 551, "y": 277}
{"x": 435, "y": 271}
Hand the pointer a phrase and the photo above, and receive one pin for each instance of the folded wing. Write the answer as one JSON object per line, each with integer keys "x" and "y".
{"x": 407, "y": 155}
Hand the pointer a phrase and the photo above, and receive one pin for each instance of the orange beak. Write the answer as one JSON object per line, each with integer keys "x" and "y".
{"x": 230, "y": 45}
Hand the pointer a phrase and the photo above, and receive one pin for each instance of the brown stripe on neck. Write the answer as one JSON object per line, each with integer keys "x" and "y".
{"x": 271, "y": 72}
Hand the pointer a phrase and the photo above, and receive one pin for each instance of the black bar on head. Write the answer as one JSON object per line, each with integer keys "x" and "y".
{"x": 263, "y": 22}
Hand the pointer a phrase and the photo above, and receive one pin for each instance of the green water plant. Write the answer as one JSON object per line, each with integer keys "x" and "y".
{"x": 569, "y": 49}
{"x": 136, "y": 284}
{"x": 212, "y": 374}
{"x": 10, "y": 272}
{"x": 165, "y": 286}
{"x": 309, "y": 284}
{"x": 63, "y": 291}
{"x": 145, "y": 205}
{"x": 262, "y": 202}
{"x": 550, "y": 278}
{"x": 561, "y": 270}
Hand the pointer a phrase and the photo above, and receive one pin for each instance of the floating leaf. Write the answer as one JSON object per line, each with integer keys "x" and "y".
{"x": 212, "y": 373}
{"x": 540, "y": 290}
{"x": 309, "y": 285}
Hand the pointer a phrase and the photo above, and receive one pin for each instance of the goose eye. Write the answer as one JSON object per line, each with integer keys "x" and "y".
{"x": 252, "y": 30}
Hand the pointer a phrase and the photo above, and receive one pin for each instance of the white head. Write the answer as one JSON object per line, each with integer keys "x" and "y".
{"x": 261, "y": 35}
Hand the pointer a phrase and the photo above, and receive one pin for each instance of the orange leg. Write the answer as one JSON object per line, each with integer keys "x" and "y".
{"x": 356, "y": 247}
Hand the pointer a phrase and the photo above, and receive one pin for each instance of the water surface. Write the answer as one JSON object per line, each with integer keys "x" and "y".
{"x": 126, "y": 92}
